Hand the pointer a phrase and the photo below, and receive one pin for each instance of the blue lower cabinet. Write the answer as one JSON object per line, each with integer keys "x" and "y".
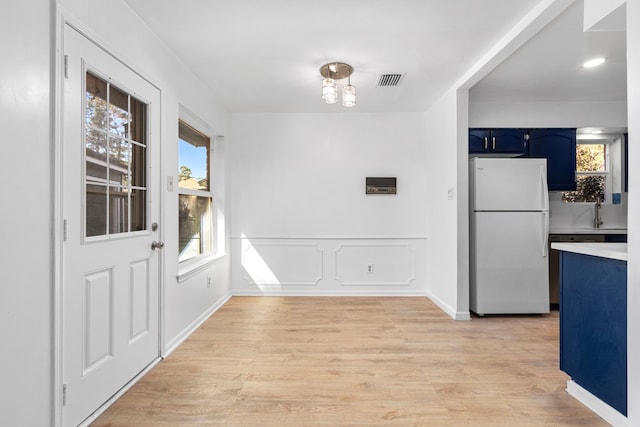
{"x": 593, "y": 326}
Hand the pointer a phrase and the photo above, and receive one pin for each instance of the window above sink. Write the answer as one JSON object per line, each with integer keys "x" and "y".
{"x": 599, "y": 167}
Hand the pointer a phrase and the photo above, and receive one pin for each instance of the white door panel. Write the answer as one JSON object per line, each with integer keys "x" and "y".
{"x": 111, "y": 278}
{"x": 511, "y": 269}
{"x": 509, "y": 184}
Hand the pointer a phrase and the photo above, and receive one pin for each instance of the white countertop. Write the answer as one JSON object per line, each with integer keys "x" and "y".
{"x": 605, "y": 250}
{"x": 587, "y": 231}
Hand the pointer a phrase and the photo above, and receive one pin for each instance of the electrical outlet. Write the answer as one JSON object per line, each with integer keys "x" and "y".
{"x": 208, "y": 282}
{"x": 370, "y": 268}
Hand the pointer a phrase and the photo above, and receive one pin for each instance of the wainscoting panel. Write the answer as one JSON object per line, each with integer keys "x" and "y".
{"x": 281, "y": 263}
{"x": 328, "y": 266}
{"x": 379, "y": 264}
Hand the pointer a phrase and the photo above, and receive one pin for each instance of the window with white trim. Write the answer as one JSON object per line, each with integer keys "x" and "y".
{"x": 592, "y": 174}
{"x": 196, "y": 222}
{"x": 599, "y": 169}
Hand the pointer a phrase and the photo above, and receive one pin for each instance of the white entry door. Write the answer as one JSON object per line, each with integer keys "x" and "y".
{"x": 110, "y": 186}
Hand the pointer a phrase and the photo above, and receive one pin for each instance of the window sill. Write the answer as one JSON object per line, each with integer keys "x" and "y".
{"x": 190, "y": 269}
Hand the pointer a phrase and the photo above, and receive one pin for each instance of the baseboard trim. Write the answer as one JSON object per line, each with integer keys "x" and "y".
{"x": 333, "y": 237}
{"x": 602, "y": 409}
{"x": 327, "y": 293}
{"x": 175, "y": 343}
{"x": 455, "y": 315}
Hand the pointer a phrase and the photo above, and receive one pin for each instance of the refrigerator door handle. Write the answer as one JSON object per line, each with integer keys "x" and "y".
{"x": 545, "y": 235}
{"x": 545, "y": 190}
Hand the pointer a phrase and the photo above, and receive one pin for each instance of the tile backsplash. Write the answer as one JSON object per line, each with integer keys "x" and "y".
{"x": 580, "y": 215}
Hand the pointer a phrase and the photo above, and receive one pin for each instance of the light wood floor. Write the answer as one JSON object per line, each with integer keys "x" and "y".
{"x": 298, "y": 361}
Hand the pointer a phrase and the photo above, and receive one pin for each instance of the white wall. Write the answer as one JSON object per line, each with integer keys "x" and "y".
{"x": 304, "y": 174}
{"x": 546, "y": 114}
{"x": 26, "y": 226}
{"x": 300, "y": 179}
{"x": 633, "y": 295}
{"x": 448, "y": 252}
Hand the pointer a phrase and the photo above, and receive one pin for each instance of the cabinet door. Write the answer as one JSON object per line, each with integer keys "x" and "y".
{"x": 558, "y": 146}
{"x": 498, "y": 141}
{"x": 479, "y": 141}
{"x": 593, "y": 325}
{"x": 511, "y": 141}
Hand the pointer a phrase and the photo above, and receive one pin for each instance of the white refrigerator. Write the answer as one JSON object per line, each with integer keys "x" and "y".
{"x": 509, "y": 230}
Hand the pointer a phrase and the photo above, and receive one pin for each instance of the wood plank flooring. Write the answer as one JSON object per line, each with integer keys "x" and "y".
{"x": 316, "y": 361}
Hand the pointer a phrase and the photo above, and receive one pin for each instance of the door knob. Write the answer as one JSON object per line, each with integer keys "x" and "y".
{"x": 157, "y": 245}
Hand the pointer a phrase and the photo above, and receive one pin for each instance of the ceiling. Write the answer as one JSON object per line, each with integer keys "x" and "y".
{"x": 549, "y": 66}
{"x": 263, "y": 56}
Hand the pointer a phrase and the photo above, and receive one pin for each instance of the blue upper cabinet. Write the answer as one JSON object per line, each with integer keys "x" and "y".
{"x": 558, "y": 146}
{"x": 507, "y": 142}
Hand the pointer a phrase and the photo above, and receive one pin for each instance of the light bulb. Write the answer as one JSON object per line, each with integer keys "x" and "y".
{"x": 594, "y": 62}
{"x": 349, "y": 96}
{"x": 329, "y": 91}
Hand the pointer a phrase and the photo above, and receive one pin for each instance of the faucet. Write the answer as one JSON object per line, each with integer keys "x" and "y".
{"x": 597, "y": 220}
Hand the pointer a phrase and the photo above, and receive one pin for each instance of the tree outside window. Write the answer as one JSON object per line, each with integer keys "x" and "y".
{"x": 591, "y": 174}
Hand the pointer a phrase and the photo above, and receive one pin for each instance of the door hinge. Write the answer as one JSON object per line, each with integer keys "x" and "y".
{"x": 64, "y": 230}
{"x": 64, "y": 394}
{"x": 66, "y": 66}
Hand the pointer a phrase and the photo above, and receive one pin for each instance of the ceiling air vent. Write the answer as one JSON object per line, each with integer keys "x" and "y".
{"x": 386, "y": 80}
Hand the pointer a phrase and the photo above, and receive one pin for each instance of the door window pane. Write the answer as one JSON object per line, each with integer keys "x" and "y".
{"x": 118, "y": 210}
{"x": 96, "y": 100}
{"x": 96, "y": 210}
{"x": 138, "y": 217}
{"x": 138, "y": 123}
{"x": 138, "y": 166}
{"x": 118, "y": 112}
{"x": 113, "y": 159}
{"x": 96, "y": 156}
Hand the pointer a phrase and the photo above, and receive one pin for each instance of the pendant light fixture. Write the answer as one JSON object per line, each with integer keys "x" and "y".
{"x": 348, "y": 95}
{"x": 337, "y": 71}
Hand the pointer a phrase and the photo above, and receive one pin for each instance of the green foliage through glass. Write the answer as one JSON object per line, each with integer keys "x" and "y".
{"x": 591, "y": 174}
